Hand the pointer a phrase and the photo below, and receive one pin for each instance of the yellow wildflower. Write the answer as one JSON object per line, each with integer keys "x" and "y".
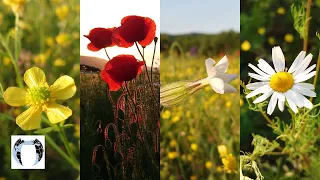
{"x": 281, "y": 10}
{"x": 272, "y": 40}
{"x": 62, "y": 12}
{"x": 209, "y": 165}
{"x": 261, "y": 30}
{"x": 219, "y": 169}
{"x": 188, "y": 114}
{"x": 6, "y": 61}
{"x": 166, "y": 114}
{"x": 175, "y": 119}
{"x": 59, "y": 62}
{"x": 228, "y": 104}
{"x": 289, "y": 38}
{"x": 50, "y": 41}
{"x": 63, "y": 39}
{"x": 189, "y": 157}
{"x": 229, "y": 164}
{"x": 2, "y": 178}
{"x": 222, "y": 149}
{"x": 173, "y": 143}
{"x": 241, "y": 102}
{"x": 77, "y": 130}
{"x": 16, "y": 5}
{"x": 40, "y": 58}
{"x": 16, "y": 112}
{"x": 194, "y": 146}
{"x": 193, "y": 177}
{"x": 39, "y": 96}
{"x": 245, "y": 46}
{"x": 173, "y": 155}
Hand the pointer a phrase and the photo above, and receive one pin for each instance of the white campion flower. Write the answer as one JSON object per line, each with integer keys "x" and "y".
{"x": 283, "y": 85}
{"x": 175, "y": 93}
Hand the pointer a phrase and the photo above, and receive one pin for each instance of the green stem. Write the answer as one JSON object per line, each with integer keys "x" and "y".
{"x": 317, "y": 74}
{"x": 305, "y": 40}
{"x": 66, "y": 144}
{"x": 305, "y": 114}
{"x": 63, "y": 154}
{"x": 16, "y": 40}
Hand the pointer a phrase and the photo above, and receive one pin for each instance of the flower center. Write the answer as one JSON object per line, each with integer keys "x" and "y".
{"x": 281, "y": 81}
{"x": 38, "y": 96}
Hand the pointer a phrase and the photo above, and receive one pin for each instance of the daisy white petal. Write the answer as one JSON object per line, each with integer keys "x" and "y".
{"x": 305, "y": 85}
{"x": 256, "y": 85}
{"x": 308, "y": 70}
{"x": 259, "y": 90}
{"x": 303, "y": 65}
{"x": 297, "y": 61}
{"x": 295, "y": 98}
{"x": 259, "y": 77}
{"x": 304, "y": 91}
{"x": 278, "y": 59}
{"x": 304, "y": 77}
{"x": 292, "y": 105}
{"x": 257, "y": 70}
{"x": 264, "y": 96}
{"x": 281, "y": 100}
{"x": 272, "y": 103}
{"x": 264, "y": 66}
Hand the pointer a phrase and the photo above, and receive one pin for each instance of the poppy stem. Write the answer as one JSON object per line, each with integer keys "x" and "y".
{"x": 105, "y": 50}
{"x": 154, "y": 52}
{"x": 145, "y": 65}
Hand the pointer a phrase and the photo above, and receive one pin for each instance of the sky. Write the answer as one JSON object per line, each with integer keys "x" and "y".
{"x": 202, "y": 16}
{"x": 108, "y": 13}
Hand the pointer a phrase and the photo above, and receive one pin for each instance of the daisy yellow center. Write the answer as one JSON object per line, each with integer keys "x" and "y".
{"x": 281, "y": 81}
{"x": 38, "y": 96}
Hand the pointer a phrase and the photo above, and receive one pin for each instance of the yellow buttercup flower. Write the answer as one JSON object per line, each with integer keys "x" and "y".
{"x": 222, "y": 150}
{"x": 39, "y": 96}
{"x": 175, "y": 119}
{"x": 261, "y": 30}
{"x": 173, "y": 155}
{"x": 63, "y": 39}
{"x": 166, "y": 114}
{"x": 245, "y": 46}
{"x": 59, "y": 62}
{"x": 193, "y": 177}
{"x": 289, "y": 38}
{"x": 272, "y": 40}
{"x": 16, "y": 5}
{"x": 50, "y": 41}
{"x": 194, "y": 146}
{"x": 209, "y": 165}
{"x": 62, "y": 12}
{"x": 281, "y": 10}
{"x": 173, "y": 143}
{"x": 6, "y": 61}
{"x": 229, "y": 164}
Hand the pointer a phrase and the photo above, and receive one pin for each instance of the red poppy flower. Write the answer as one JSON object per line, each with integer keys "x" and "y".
{"x": 119, "y": 69}
{"x": 100, "y": 38}
{"x": 135, "y": 29}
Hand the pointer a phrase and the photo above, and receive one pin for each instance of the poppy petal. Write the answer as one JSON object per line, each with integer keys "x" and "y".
{"x": 119, "y": 40}
{"x": 100, "y": 38}
{"x": 91, "y": 47}
{"x": 113, "y": 84}
{"x": 150, "y": 32}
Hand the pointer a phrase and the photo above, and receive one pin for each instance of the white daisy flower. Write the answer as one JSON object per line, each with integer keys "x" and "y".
{"x": 283, "y": 85}
{"x": 175, "y": 93}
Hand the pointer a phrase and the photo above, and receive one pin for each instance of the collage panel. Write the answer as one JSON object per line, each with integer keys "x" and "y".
{"x": 39, "y": 95}
{"x": 280, "y": 46}
{"x": 199, "y": 92}
{"x": 119, "y": 75}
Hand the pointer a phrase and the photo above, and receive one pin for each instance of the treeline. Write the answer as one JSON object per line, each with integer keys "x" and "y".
{"x": 200, "y": 44}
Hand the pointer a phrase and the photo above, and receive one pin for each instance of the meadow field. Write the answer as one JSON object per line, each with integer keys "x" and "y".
{"x": 200, "y": 137}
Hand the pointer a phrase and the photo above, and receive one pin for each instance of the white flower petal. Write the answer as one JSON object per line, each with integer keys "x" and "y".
{"x": 257, "y": 70}
{"x": 303, "y": 65}
{"x": 211, "y": 71}
{"x": 308, "y": 70}
{"x": 264, "y": 96}
{"x": 304, "y": 77}
{"x": 227, "y": 77}
{"x": 305, "y": 85}
{"x": 264, "y": 66}
{"x": 303, "y": 100}
{"x": 278, "y": 59}
{"x": 303, "y": 91}
{"x": 217, "y": 85}
{"x": 292, "y": 105}
{"x": 260, "y": 90}
{"x": 229, "y": 89}
{"x": 222, "y": 65}
{"x": 295, "y": 98}
{"x": 259, "y": 77}
{"x": 272, "y": 103}
{"x": 256, "y": 85}
{"x": 281, "y": 104}
{"x": 297, "y": 62}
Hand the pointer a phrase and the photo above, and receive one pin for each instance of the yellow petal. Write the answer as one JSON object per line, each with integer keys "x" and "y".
{"x": 57, "y": 113}
{"x": 15, "y": 96}
{"x": 63, "y": 88}
{"x": 30, "y": 119}
{"x": 34, "y": 77}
